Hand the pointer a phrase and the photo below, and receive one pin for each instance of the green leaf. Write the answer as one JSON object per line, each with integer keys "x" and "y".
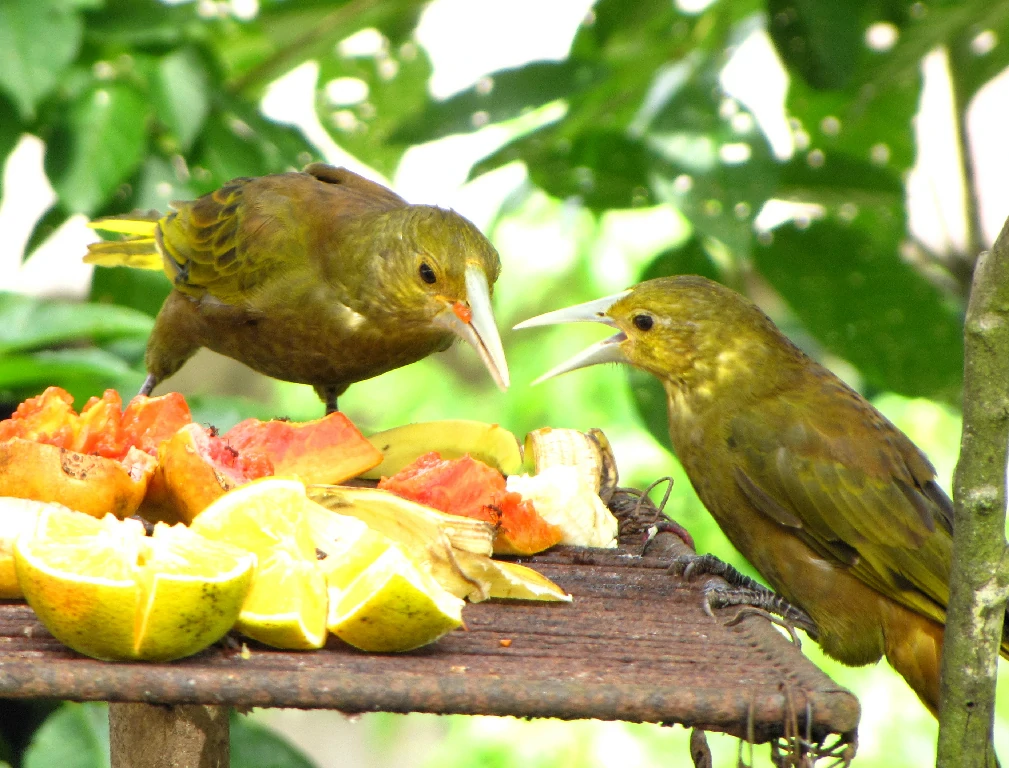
{"x": 719, "y": 196}
{"x": 82, "y": 372}
{"x": 255, "y": 746}
{"x": 649, "y": 399}
{"x": 604, "y": 169}
{"x": 29, "y": 323}
{"x": 182, "y": 97}
{"x": 39, "y": 39}
{"x": 977, "y": 51}
{"x": 11, "y": 129}
{"x": 851, "y": 289}
{"x": 504, "y": 95}
{"x": 241, "y": 142}
{"x": 50, "y": 221}
{"x": 397, "y": 92}
{"x": 840, "y": 180}
{"x": 287, "y": 34}
{"x": 98, "y": 145}
{"x": 143, "y": 290}
{"x": 127, "y": 24}
{"x": 155, "y": 187}
{"x": 691, "y": 258}
{"x": 823, "y": 41}
{"x": 74, "y": 736}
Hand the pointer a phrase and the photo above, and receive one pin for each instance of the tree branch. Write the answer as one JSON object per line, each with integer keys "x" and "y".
{"x": 334, "y": 26}
{"x": 977, "y": 590}
{"x": 972, "y": 210}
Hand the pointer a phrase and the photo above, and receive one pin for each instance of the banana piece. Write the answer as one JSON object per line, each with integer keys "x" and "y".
{"x": 452, "y": 438}
{"x": 428, "y": 537}
{"x": 422, "y": 533}
{"x": 609, "y": 478}
{"x": 550, "y": 446}
{"x": 572, "y": 470}
{"x": 505, "y": 579}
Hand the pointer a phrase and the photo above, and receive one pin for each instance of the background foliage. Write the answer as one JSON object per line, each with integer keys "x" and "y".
{"x": 140, "y": 102}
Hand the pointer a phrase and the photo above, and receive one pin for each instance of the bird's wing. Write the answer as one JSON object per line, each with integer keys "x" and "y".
{"x": 853, "y": 487}
{"x": 258, "y": 237}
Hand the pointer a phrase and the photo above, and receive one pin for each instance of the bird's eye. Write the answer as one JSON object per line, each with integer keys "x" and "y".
{"x": 427, "y": 274}
{"x": 643, "y": 322}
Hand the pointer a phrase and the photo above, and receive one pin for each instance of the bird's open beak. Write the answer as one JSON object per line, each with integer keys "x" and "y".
{"x": 474, "y": 323}
{"x": 606, "y": 351}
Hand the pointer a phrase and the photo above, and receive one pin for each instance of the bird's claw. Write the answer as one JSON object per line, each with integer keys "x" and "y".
{"x": 841, "y": 751}
{"x": 753, "y": 597}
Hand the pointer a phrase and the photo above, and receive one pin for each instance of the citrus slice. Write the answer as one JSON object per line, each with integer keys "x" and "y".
{"x": 346, "y": 545}
{"x": 107, "y": 590}
{"x": 392, "y": 606}
{"x": 287, "y": 605}
{"x": 16, "y": 515}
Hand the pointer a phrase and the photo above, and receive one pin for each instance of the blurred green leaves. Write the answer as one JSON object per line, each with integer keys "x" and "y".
{"x": 29, "y": 71}
{"x": 77, "y": 736}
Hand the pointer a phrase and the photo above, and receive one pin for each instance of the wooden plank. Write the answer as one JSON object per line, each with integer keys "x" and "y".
{"x": 634, "y": 645}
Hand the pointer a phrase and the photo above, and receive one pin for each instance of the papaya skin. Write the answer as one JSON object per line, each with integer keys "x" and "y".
{"x": 91, "y": 484}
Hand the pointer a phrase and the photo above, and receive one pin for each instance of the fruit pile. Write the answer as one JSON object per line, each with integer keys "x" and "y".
{"x": 253, "y": 531}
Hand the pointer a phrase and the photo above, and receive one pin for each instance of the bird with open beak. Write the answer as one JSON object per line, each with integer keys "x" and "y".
{"x": 833, "y": 505}
{"x": 320, "y": 277}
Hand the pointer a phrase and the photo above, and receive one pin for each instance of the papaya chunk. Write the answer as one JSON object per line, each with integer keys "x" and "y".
{"x": 470, "y": 488}
{"x": 325, "y": 451}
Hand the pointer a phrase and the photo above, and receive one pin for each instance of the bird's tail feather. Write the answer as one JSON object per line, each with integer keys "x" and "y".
{"x": 138, "y": 249}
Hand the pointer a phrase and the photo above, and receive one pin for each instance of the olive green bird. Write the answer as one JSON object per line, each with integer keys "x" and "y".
{"x": 833, "y": 505}
{"x": 320, "y": 277}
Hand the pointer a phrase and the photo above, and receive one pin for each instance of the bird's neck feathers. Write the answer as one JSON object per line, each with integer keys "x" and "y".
{"x": 734, "y": 364}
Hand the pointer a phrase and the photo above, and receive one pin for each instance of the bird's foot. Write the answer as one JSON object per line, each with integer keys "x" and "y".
{"x": 641, "y": 520}
{"x": 149, "y": 384}
{"x": 751, "y": 596}
{"x": 667, "y": 525}
{"x": 840, "y": 752}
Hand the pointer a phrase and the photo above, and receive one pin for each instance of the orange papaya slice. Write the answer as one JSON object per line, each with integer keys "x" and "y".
{"x": 324, "y": 451}
{"x": 470, "y": 488}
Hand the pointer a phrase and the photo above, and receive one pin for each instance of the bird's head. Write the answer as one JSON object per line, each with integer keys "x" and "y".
{"x": 442, "y": 269}
{"x": 688, "y": 331}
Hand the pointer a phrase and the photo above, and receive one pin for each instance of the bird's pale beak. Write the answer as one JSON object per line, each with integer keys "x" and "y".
{"x": 606, "y": 351}
{"x": 475, "y": 324}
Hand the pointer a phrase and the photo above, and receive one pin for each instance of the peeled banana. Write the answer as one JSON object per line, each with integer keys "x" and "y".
{"x": 572, "y": 470}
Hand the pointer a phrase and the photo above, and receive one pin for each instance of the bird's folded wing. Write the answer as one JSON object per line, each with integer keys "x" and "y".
{"x": 254, "y": 235}
{"x": 855, "y": 489}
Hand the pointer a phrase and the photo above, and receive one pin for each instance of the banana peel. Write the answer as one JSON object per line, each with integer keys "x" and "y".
{"x": 505, "y": 579}
{"x": 454, "y": 550}
{"x": 575, "y": 473}
{"x": 451, "y": 438}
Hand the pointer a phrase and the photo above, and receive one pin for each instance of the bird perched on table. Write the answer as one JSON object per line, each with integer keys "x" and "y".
{"x": 833, "y": 505}
{"x": 320, "y": 277}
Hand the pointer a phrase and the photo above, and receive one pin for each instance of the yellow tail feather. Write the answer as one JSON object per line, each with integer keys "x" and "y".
{"x": 140, "y": 253}
{"x": 138, "y": 250}
{"x": 138, "y": 223}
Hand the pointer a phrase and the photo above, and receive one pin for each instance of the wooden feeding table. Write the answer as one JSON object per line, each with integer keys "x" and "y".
{"x": 634, "y": 645}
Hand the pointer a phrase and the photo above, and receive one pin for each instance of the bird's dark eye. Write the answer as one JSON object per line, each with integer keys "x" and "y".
{"x": 643, "y": 322}
{"x": 427, "y": 274}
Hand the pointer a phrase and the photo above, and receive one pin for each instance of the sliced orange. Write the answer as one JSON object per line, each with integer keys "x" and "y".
{"x": 287, "y": 605}
{"x": 106, "y": 590}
